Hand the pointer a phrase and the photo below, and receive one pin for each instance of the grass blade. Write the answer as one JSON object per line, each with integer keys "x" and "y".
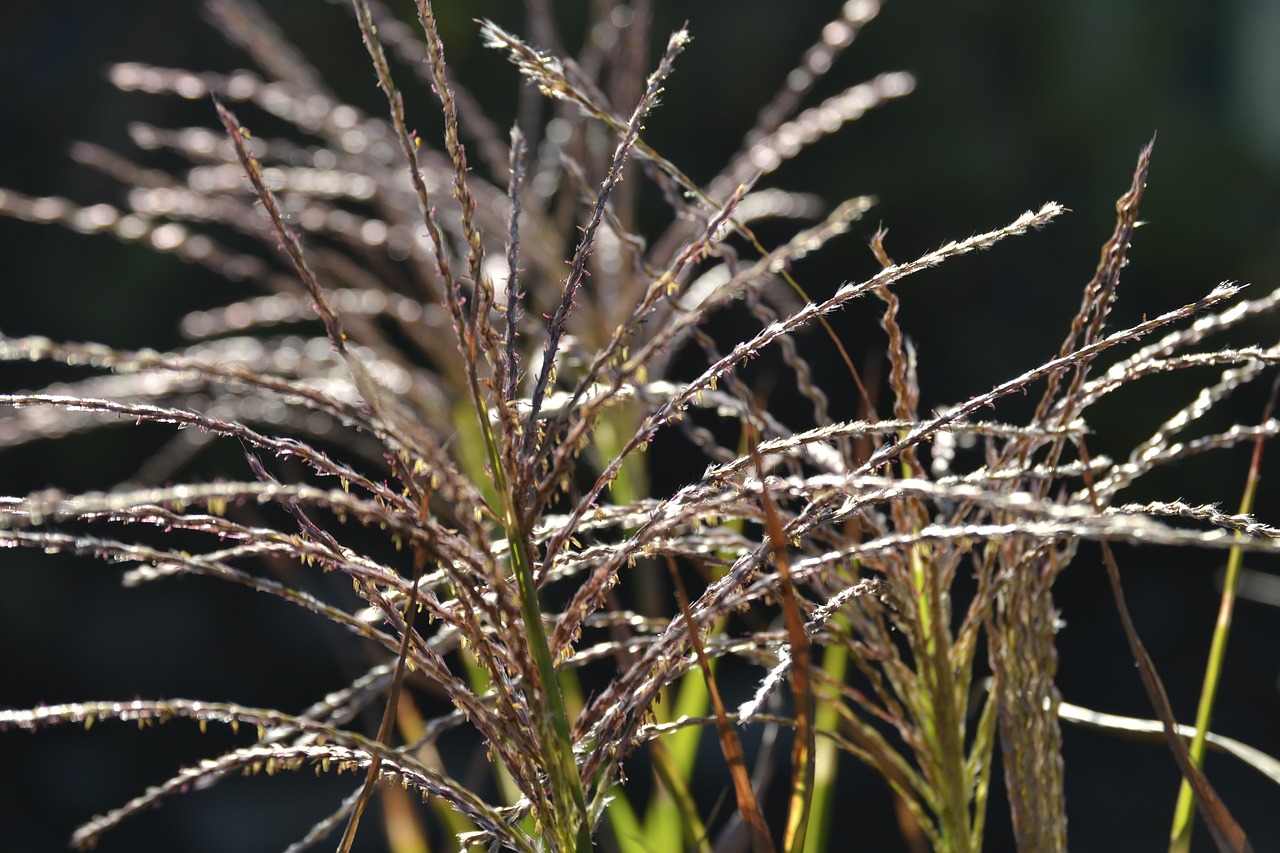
{"x": 1184, "y": 809}
{"x": 802, "y": 752}
{"x": 730, "y": 745}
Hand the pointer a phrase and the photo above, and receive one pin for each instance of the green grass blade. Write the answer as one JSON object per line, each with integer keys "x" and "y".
{"x": 1185, "y": 808}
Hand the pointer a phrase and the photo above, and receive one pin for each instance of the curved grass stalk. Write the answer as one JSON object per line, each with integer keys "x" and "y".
{"x": 1185, "y": 807}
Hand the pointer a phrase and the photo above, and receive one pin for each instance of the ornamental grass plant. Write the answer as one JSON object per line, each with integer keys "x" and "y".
{"x": 506, "y": 388}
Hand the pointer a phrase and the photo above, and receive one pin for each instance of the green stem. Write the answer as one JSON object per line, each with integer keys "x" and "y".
{"x": 1185, "y": 809}
{"x": 572, "y": 831}
{"x": 942, "y": 721}
{"x": 835, "y": 661}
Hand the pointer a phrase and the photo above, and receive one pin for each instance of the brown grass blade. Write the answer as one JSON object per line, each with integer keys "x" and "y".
{"x": 1227, "y": 833}
{"x": 803, "y": 747}
{"x": 1184, "y": 808}
{"x": 730, "y": 745}
{"x": 393, "y": 702}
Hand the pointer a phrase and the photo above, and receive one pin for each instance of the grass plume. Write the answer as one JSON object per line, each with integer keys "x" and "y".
{"x": 445, "y": 395}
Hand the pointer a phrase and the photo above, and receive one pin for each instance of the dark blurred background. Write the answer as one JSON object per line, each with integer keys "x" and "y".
{"x": 1016, "y": 104}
